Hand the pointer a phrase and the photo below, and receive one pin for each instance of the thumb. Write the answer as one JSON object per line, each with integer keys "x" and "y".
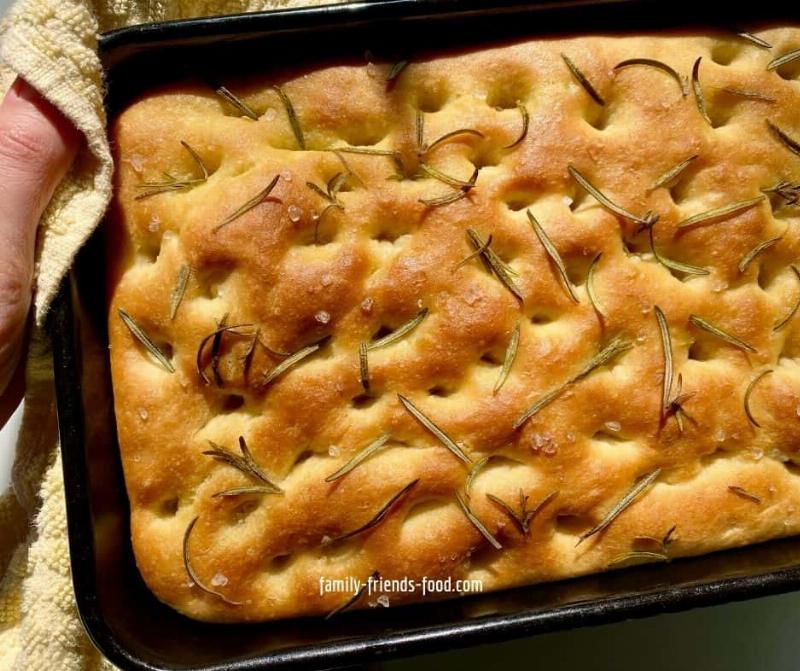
{"x": 37, "y": 146}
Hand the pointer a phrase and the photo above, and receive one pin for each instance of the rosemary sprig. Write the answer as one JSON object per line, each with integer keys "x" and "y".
{"x": 720, "y": 213}
{"x": 673, "y": 173}
{"x": 363, "y": 365}
{"x": 525, "y": 516}
{"x": 598, "y": 307}
{"x": 291, "y": 361}
{"x": 508, "y": 360}
{"x": 294, "y": 122}
{"x": 439, "y": 433}
{"x": 760, "y": 248}
{"x": 495, "y": 264}
{"x": 378, "y": 517}
{"x": 614, "y": 348}
{"x": 215, "y": 338}
{"x": 669, "y": 368}
{"x": 789, "y": 191}
{"x": 704, "y": 325}
{"x": 606, "y": 202}
{"x": 224, "y": 93}
{"x": 171, "y": 183}
{"x": 191, "y": 572}
{"x": 477, "y": 523}
{"x": 555, "y": 257}
{"x": 179, "y": 290}
{"x": 637, "y": 491}
{"x": 677, "y": 266}
{"x": 775, "y": 63}
{"x": 639, "y": 556}
{"x": 396, "y": 69}
{"x": 353, "y": 599}
{"x": 790, "y": 143}
{"x": 743, "y": 493}
{"x": 456, "y": 195}
{"x": 376, "y": 445}
{"x": 754, "y": 39}
{"x": 399, "y": 333}
{"x": 749, "y": 95}
{"x": 245, "y": 463}
{"x": 140, "y": 335}
{"x": 476, "y": 468}
{"x": 748, "y": 392}
{"x": 649, "y": 62}
{"x": 526, "y": 119}
{"x": 256, "y": 200}
{"x": 583, "y": 81}
{"x": 783, "y": 322}
{"x": 698, "y": 92}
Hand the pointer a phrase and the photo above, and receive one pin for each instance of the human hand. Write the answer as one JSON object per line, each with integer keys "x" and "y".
{"x": 37, "y": 146}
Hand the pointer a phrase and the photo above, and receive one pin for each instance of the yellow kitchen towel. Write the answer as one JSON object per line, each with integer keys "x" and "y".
{"x": 52, "y": 44}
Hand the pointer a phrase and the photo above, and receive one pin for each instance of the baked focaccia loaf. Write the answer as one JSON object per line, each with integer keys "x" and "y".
{"x": 514, "y": 314}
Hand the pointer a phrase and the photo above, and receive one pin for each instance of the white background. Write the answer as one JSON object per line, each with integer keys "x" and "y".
{"x": 758, "y": 635}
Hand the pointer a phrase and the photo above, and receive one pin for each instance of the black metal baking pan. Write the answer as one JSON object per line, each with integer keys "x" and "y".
{"x": 122, "y": 617}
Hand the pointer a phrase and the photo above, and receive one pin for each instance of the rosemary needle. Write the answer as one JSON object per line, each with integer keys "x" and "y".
{"x": 363, "y": 365}
{"x": 294, "y": 122}
{"x": 673, "y": 173}
{"x": 789, "y": 142}
{"x": 604, "y": 201}
{"x": 245, "y": 463}
{"x": 508, "y": 360}
{"x": 783, "y": 60}
{"x": 641, "y": 556}
{"x": 760, "y": 248}
{"x": 638, "y": 489}
{"x": 439, "y": 433}
{"x": 290, "y": 361}
{"x": 525, "y": 123}
{"x": 748, "y": 392}
{"x": 399, "y": 333}
{"x": 224, "y": 93}
{"x": 743, "y": 493}
{"x": 783, "y": 322}
{"x": 494, "y": 264}
{"x": 249, "y": 205}
{"x": 552, "y": 252}
{"x": 698, "y": 92}
{"x": 476, "y": 468}
{"x": 598, "y": 307}
{"x": 669, "y": 371}
{"x": 583, "y": 81}
{"x": 477, "y": 523}
{"x": 720, "y": 213}
{"x": 139, "y": 333}
{"x": 353, "y": 599}
{"x": 701, "y": 323}
{"x": 380, "y": 515}
{"x": 191, "y": 572}
{"x": 360, "y": 457}
{"x": 396, "y": 69}
{"x": 754, "y": 39}
{"x": 649, "y": 62}
{"x": 178, "y": 291}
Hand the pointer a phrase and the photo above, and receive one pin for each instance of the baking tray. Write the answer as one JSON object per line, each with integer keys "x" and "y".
{"x": 122, "y": 617}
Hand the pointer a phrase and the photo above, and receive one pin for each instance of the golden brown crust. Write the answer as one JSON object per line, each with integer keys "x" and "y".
{"x": 385, "y": 255}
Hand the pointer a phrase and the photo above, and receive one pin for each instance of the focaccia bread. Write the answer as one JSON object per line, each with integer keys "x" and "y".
{"x": 512, "y": 314}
